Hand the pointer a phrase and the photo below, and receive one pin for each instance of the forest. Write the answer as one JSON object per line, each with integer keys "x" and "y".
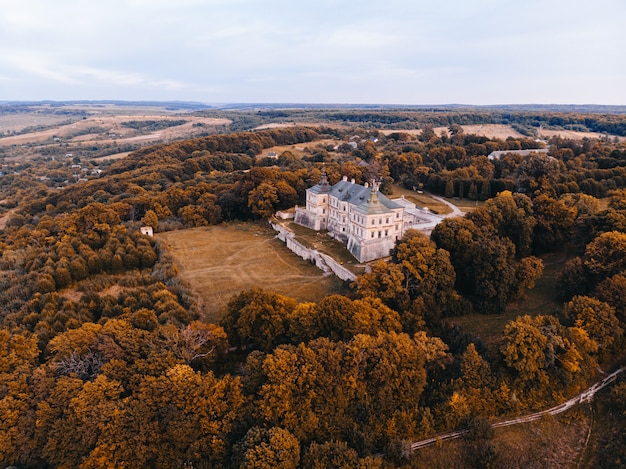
{"x": 106, "y": 359}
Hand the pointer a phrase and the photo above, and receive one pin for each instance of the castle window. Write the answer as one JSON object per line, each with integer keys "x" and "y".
{"x": 386, "y": 233}
{"x": 323, "y": 210}
{"x": 372, "y": 234}
{"x": 387, "y": 220}
{"x": 379, "y": 234}
{"x": 380, "y": 221}
{"x": 397, "y": 215}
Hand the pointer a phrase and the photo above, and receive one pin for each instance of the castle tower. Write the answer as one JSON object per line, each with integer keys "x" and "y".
{"x": 316, "y": 214}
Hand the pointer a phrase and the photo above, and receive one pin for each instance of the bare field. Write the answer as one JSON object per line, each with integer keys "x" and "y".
{"x": 221, "y": 261}
{"x": 110, "y": 129}
{"x": 488, "y": 130}
{"x": 420, "y": 199}
{"x": 282, "y": 125}
{"x": 547, "y": 133}
{"x": 11, "y": 122}
{"x": 297, "y": 149}
{"x": 500, "y": 131}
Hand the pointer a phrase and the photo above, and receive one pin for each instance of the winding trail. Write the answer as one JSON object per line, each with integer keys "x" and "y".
{"x": 456, "y": 211}
{"x": 585, "y": 396}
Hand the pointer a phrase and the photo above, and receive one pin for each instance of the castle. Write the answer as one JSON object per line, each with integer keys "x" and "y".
{"x": 359, "y": 216}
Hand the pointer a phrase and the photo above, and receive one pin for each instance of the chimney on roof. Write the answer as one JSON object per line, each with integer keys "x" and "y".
{"x": 345, "y": 178}
{"x": 352, "y": 181}
{"x": 366, "y": 185}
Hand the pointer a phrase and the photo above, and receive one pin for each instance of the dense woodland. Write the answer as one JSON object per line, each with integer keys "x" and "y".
{"x": 105, "y": 359}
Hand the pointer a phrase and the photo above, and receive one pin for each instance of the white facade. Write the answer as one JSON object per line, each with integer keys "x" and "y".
{"x": 359, "y": 216}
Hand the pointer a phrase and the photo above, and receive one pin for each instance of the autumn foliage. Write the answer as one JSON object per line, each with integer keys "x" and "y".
{"x": 106, "y": 359}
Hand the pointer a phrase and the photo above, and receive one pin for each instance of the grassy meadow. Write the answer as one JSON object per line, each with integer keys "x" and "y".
{"x": 218, "y": 262}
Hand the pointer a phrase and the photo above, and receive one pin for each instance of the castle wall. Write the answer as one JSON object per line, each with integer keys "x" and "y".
{"x": 370, "y": 250}
{"x": 322, "y": 261}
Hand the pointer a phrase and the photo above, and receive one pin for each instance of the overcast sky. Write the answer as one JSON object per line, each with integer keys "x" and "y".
{"x": 322, "y": 51}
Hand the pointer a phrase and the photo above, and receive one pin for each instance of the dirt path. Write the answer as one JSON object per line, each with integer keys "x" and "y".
{"x": 585, "y": 396}
{"x": 456, "y": 211}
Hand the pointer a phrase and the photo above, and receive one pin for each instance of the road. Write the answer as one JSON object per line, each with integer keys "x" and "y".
{"x": 585, "y": 396}
{"x": 428, "y": 220}
{"x": 456, "y": 211}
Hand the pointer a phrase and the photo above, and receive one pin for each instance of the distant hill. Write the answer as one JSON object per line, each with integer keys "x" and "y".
{"x": 195, "y": 105}
{"x": 561, "y": 108}
{"x": 183, "y": 105}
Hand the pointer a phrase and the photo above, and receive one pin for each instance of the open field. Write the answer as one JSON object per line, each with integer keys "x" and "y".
{"x": 421, "y": 199}
{"x": 571, "y": 134}
{"x": 298, "y": 149}
{"x": 18, "y": 122}
{"x": 109, "y": 129}
{"x": 500, "y": 131}
{"x": 221, "y": 261}
{"x": 96, "y": 130}
{"x": 503, "y": 131}
{"x": 466, "y": 205}
{"x": 282, "y": 125}
{"x": 488, "y": 130}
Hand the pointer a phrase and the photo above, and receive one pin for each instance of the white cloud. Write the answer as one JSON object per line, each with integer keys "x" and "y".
{"x": 343, "y": 50}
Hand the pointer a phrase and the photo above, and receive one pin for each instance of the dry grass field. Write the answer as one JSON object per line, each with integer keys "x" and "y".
{"x": 221, "y": 261}
{"x": 17, "y": 122}
{"x": 571, "y": 134}
{"x": 500, "y": 131}
{"x": 298, "y": 149}
{"x": 421, "y": 199}
{"x": 488, "y": 130}
{"x": 110, "y": 129}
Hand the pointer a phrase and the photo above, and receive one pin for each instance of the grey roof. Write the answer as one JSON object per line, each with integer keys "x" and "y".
{"x": 361, "y": 197}
{"x": 322, "y": 187}
{"x": 347, "y": 191}
{"x": 374, "y": 206}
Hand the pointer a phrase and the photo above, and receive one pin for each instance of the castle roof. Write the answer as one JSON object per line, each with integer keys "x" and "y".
{"x": 347, "y": 191}
{"x": 376, "y": 203}
{"x": 365, "y": 199}
{"x": 322, "y": 187}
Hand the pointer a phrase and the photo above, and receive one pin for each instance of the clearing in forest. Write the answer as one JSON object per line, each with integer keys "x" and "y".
{"x": 543, "y": 299}
{"x": 218, "y": 262}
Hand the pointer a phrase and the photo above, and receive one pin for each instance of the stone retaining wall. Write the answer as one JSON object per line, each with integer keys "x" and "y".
{"x": 321, "y": 260}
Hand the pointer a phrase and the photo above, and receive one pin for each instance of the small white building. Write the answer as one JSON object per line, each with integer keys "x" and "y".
{"x": 147, "y": 230}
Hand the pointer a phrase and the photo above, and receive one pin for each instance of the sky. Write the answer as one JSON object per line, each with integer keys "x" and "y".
{"x": 324, "y": 51}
